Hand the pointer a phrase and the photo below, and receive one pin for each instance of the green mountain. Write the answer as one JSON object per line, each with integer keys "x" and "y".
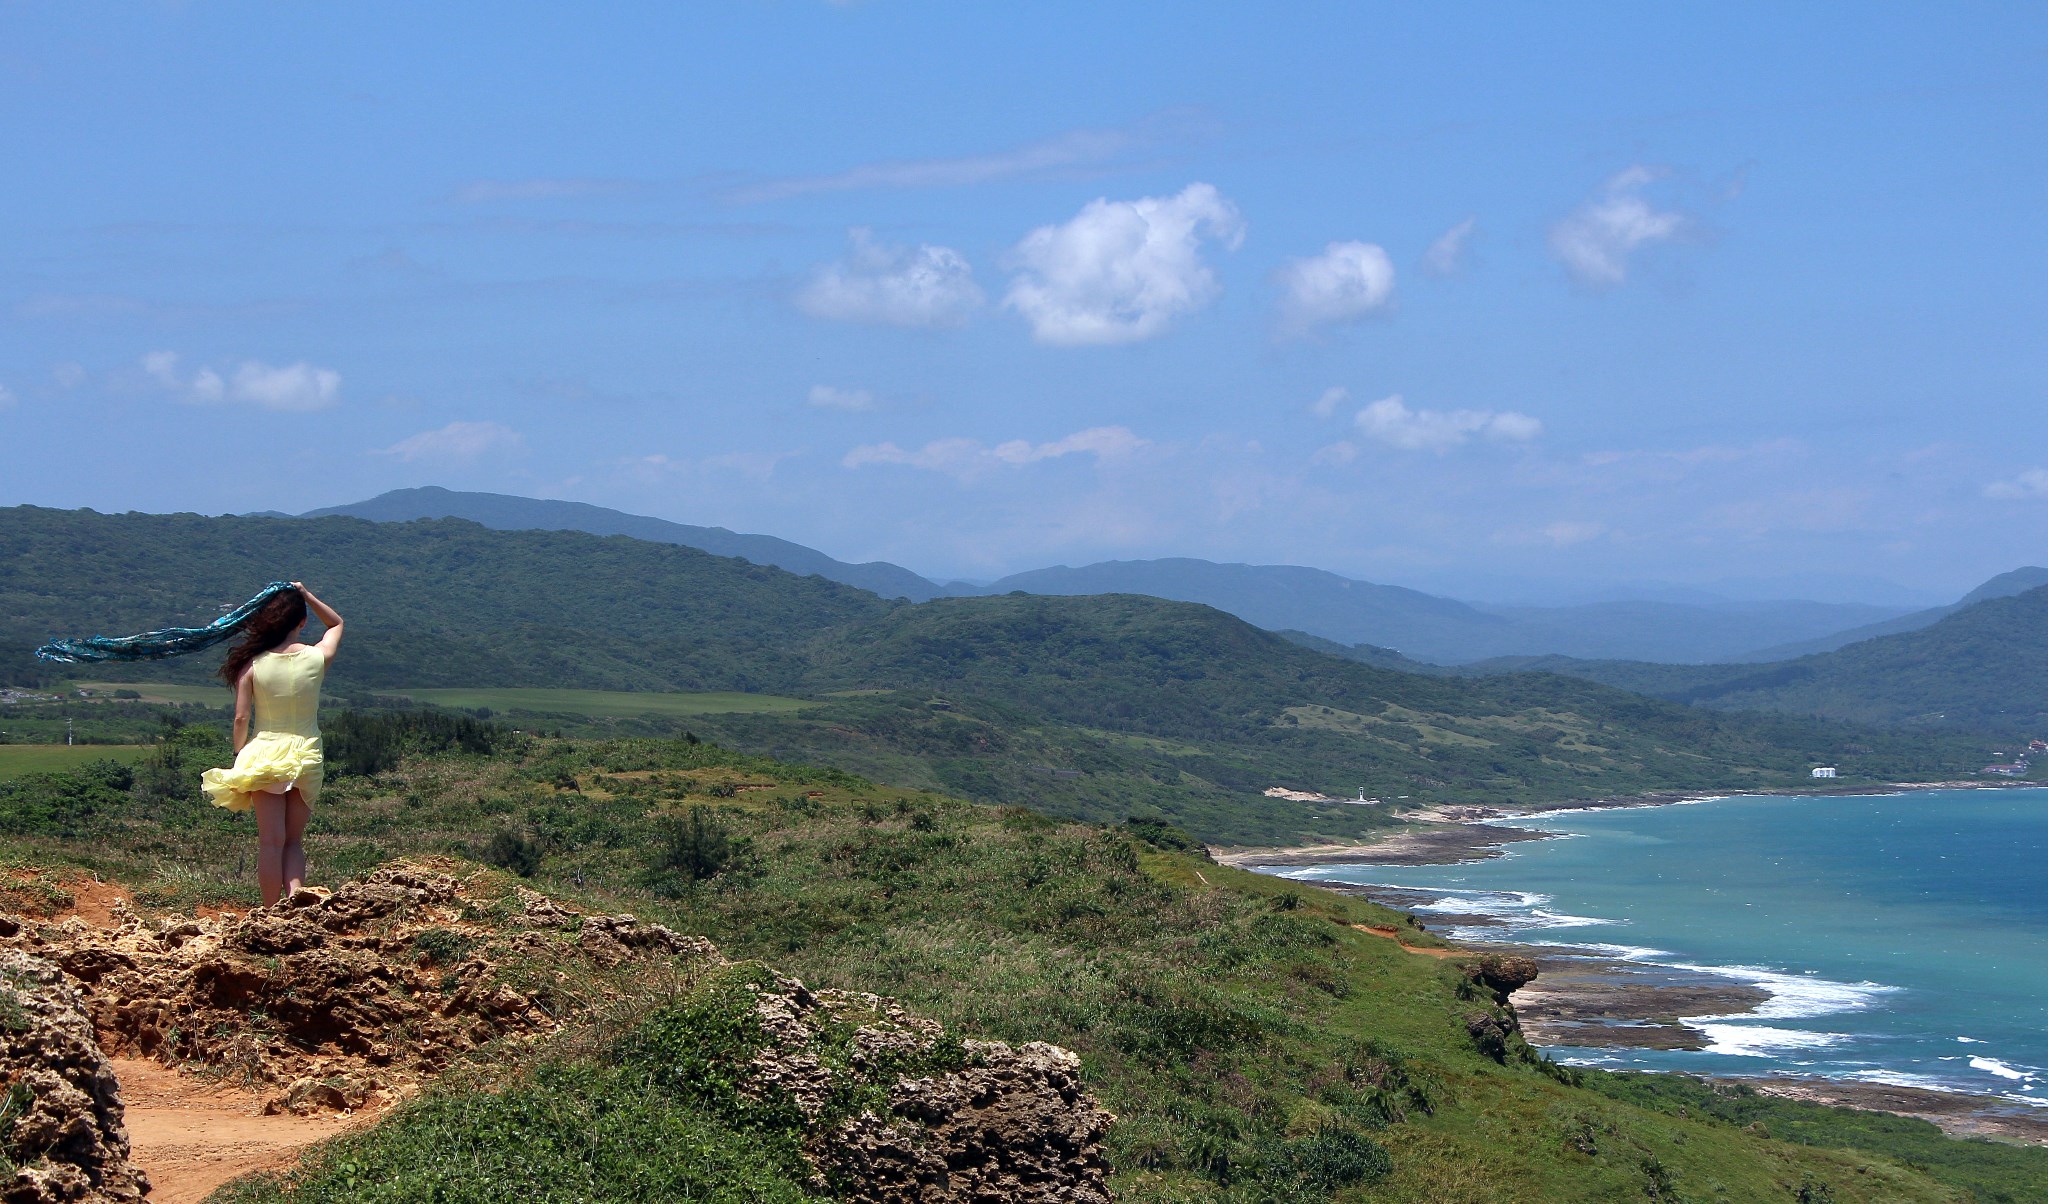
{"x": 504, "y": 512}
{"x": 445, "y": 603}
{"x": 2005, "y": 585}
{"x": 1093, "y": 707}
{"x": 1443, "y": 631}
{"x": 1276, "y": 597}
{"x": 1979, "y": 668}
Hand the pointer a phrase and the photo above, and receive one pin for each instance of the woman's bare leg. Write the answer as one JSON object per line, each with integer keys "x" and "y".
{"x": 296, "y": 813}
{"x": 271, "y": 821}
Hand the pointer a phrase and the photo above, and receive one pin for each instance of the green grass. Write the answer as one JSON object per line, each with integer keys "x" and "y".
{"x": 611, "y": 704}
{"x": 158, "y": 691}
{"x": 19, "y": 759}
{"x": 1232, "y": 1021}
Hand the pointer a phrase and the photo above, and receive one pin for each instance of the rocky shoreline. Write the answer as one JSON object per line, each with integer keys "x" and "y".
{"x": 1588, "y": 999}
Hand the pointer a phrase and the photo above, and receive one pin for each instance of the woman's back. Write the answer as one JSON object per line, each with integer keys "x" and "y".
{"x": 286, "y": 685}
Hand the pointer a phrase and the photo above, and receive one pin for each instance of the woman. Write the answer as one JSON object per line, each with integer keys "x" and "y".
{"x": 278, "y": 769}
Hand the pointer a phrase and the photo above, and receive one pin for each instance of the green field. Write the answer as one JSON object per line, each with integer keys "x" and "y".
{"x": 157, "y": 691}
{"x": 19, "y": 759}
{"x": 611, "y": 704}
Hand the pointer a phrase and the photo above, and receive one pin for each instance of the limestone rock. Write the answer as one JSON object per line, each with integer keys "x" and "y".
{"x": 67, "y": 1142}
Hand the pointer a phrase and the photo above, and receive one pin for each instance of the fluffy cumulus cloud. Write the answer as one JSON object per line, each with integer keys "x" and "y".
{"x": 922, "y": 286}
{"x": 1121, "y": 271}
{"x": 1446, "y": 256}
{"x": 1390, "y": 421}
{"x": 456, "y": 443}
{"x": 967, "y": 459}
{"x": 2033, "y": 483}
{"x": 1348, "y": 280}
{"x": 295, "y": 388}
{"x": 1326, "y": 405}
{"x": 832, "y": 397}
{"x": 1595, "y": 241}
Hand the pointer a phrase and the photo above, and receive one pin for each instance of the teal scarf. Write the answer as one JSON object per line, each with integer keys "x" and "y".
{"x": 156, "y": 645}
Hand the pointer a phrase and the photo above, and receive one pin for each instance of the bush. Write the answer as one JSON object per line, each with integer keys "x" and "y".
{"x": 690, "y": 849}
{"x": 510, "y": 850}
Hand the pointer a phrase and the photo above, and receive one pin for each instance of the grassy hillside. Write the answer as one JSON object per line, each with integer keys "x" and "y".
{"x": 1090, "y": 707}
{"x": 447, "y": 603}
{"x": 1979, "y": 668}
{"x": 1442, "y": 630}
{"x": 503, "y": 512}
{"x": 1255, "y": 1042}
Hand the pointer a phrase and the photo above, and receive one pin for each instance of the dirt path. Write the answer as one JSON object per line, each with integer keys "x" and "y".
{"x": 1394, "y": 935}
{"x": 190, "y": 1136}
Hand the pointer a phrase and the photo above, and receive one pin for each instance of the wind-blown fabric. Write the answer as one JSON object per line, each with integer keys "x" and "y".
{"x": 156, "y": 645}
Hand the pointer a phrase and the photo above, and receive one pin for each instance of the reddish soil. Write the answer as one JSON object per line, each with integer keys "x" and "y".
{"x": 191, "y": 1135}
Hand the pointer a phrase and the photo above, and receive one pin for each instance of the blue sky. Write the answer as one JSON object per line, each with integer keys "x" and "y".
{"x": 1505, "y": 301}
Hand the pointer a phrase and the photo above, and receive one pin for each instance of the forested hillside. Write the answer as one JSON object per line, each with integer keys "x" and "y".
{"x": 430, "y": 603}
{"x": 1094, "y": 707}
{"x": 1979, "y": 669}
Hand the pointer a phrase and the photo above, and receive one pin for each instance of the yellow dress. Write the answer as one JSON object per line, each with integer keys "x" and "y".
{"x": 285, "y": 744}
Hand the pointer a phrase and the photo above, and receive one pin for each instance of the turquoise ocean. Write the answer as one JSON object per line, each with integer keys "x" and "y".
{"x": 1903, "y": 937}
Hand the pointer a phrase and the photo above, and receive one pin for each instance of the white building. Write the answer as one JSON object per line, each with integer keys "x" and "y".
{"x": 1823, "y": 771}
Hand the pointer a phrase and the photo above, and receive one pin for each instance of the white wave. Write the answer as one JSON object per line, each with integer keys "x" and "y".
{"x": 1795, "y": 996}
{"x": 1762, "y": 1041}
{"x": 2001, "y": 1069}
{"x": 1900, "y": 1078}
{"x": 1627, "y": 953}
{"x": 1970, "y": 1041}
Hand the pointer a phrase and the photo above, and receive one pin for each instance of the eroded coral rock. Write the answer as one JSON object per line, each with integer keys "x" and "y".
{"x": 66, "y": 1138}
{"x": 1010, "y": 1125}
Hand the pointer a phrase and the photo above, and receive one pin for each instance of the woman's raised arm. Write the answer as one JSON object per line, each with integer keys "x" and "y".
{"x": 329, "y": 618}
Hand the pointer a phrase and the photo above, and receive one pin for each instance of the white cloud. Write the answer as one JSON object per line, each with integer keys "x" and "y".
{"x": 1075, "y": 148}
{"x": 458, "y": 442}
{"x": 895, "y": 286}
{"x": 67, "y": 374}
{"x": 1566, "y": 533}
{"x": 1326, "y": 405}
{"x": 1348, "y": 280}
{"x": 967, "y": 459}
{"x": 7, "y": 398}
{"x": 1121, "y": 271}
{"x": 1390, "y": 421}
{"x": 1595, "y": 241}
{"x": 831, "y": 397}
{"x": 2033, "y": 483}
{"x": 296, "y": 387}
{"x": 1446, "y": 255}
{"x": 1344, "y": 451}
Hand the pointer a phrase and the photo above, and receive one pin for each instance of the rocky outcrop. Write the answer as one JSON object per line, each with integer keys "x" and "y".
{"x": 1501, "y": 973}
{"x": 60, "y": 1108}
{"x": 336, "y": 1001}
{"x": 1010, "y": 1124}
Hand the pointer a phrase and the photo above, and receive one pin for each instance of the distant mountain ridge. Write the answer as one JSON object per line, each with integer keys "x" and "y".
{"x": 1980, "y": 666}
{"x": 1428, "y": 628}
{"x": 2005, "y": 585}
{"x": 505, "y": 512}
{"x": 1420, "y": 626}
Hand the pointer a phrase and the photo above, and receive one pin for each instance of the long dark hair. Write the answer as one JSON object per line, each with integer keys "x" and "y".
{"x": 275, "y": 622}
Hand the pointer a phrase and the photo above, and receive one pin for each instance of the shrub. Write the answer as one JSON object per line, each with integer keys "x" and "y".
{"x": 689, "y": 849}
{"x": 512, "y": 851}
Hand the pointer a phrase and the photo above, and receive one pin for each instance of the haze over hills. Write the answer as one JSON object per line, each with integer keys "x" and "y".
{"x": 1442, "y": 631}
{"x": 1421, "y": 626}
{"x": 1083, "y": 706}
{"x": 2005, "y": 585}
{"x": 505, "y": 512}
{"x": 1981, "y": 667}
